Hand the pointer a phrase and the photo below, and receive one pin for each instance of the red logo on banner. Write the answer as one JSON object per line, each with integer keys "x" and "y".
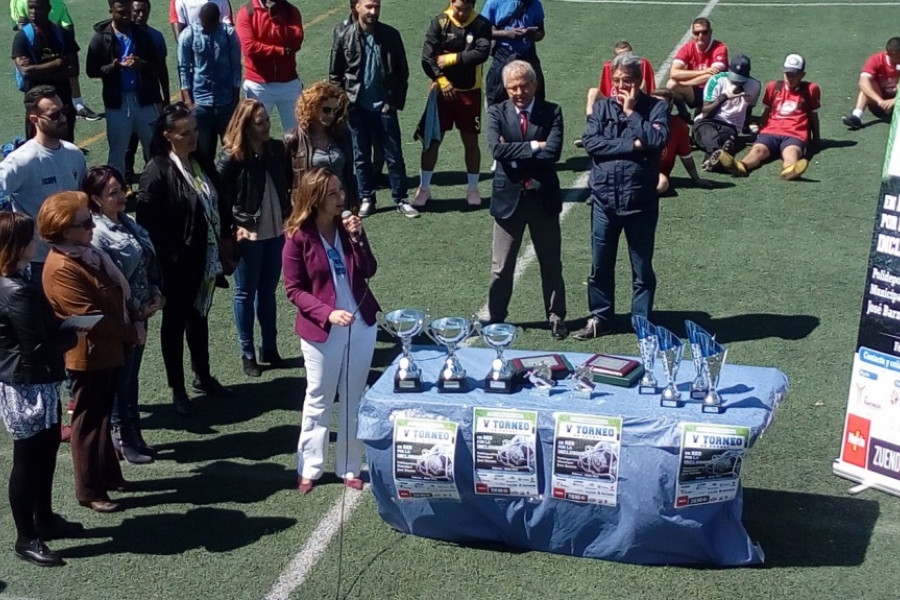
{"x": 856, "y": 441}
{"x": 559, "y": 493}
{"x": 681, "y": 501}
{"x": 404, "y": 493}
{"x": 481, "y": 488}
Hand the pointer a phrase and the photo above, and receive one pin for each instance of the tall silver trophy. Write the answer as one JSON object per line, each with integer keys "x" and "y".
{"x": 671, "y": 351}
{"x": 500, "y": 379}
{"x": 648, "y": 343}
{"x": 405, "y": 324}
{"x": 698, "y": 386}
{"x": 450, "y": 332}
{"x": 713, "y": 360}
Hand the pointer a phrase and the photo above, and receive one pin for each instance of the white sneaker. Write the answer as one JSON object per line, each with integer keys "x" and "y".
{"x": 366, "y": 207}
{"x": 405, "y": 209}
{"x": 473, "y": 198}
{"x": 423, "y": 195}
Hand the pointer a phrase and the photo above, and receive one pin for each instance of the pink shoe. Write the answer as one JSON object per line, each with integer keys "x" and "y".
{"x": 354, "y": 483}
{"x": 473, "y": 198}
{"x": 423, "y": 195}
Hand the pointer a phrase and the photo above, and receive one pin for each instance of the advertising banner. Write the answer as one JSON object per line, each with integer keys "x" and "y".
{"x": 709, "y": 468}
{"x": 424, "y": 458}
{"x": 586, "y": 458}
{"x": 504, "y": 452}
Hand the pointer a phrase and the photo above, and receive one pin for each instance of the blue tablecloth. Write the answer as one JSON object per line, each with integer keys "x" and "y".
{"x": 644, "y": 527}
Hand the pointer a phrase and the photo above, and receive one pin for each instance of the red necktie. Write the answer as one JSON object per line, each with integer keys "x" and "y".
{"x": 523, "y": 122}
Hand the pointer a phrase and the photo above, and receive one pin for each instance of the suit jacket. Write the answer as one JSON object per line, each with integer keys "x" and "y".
{"x": 309, "y": 284}
{"x": 516, "y": 160}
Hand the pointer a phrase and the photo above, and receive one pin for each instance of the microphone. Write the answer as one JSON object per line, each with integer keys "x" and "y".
{"x": 354, "y": 237}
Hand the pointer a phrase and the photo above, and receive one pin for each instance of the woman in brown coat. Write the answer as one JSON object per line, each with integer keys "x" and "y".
{"x": 81, "y": 280}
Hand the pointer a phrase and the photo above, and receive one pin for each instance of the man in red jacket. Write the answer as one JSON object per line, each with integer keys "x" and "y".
{"x": 271, "y": 33}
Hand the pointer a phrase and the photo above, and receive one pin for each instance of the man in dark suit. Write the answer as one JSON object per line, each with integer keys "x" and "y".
{"x": 525, "y": 137}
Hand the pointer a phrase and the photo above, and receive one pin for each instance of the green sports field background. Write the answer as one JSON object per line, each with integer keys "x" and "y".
{"x": 776, "y": 269}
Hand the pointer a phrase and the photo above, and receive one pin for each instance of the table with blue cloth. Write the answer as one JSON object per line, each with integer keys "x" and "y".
{"x": 643, "y": 528}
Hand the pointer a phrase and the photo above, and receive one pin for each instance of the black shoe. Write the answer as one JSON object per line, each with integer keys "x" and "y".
{"x": 182, "y": 403}
{"x": 210, "y": 385}
{"x": 558, "y": 330}
{"x": 594, "y": 328}
{"x": 134, "y": 455}
{"x": 251, "y": 367}
{"x": 37, "y": 553}
{"x": 57, "y": 527}
{"x": 273, "y": 359}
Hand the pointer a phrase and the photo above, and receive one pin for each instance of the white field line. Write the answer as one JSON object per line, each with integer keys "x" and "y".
{"x": 303, "y": 562}
{"x": 736, "y": 4}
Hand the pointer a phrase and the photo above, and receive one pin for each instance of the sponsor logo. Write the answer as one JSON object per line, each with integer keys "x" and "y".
{"x": 856, "y": 440}
{"x": 884, "y": 458}
{"x": 559, "y": 493}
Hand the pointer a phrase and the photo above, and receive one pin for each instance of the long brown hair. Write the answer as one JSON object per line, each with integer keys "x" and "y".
{"x": 307, "y": 107}
{"x": 16, "y": 232}
{"x": 308, "y": 196}
{"x": 236, "y": 141}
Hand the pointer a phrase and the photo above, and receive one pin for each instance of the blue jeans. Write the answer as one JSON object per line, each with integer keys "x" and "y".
{"x": 385, "y": 127}
{"x": 640, "y": 233}
{"x": 255, "y": 280}
{"x": 121, "y": 122}
{"x": 212, "y": 121}
{"x": 125, "y": 404}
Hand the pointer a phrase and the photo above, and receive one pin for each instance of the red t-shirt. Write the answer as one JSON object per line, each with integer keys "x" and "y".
{"x": 606, "y": 77}
{"x": 883, "y": 72}
{"x": 789, "y": 109}
{"x": 692, "y": 59}
{"x": 679, "y": 144}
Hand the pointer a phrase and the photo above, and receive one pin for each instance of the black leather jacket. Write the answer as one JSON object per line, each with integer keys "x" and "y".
{"x": 243, "y": 183}
{"x": 346, "y": 65}
{"x": 31, "y": 343}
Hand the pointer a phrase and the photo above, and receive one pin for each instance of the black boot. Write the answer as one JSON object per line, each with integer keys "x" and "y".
{"x": 142, "y": 443}
{"x": 131, "y": 447}
{"x": 116, "y": 435}
{"x": 251, "y": 367}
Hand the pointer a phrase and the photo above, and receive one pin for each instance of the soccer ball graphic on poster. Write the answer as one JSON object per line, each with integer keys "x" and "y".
{"x": 436, "y": 462}
{"x": 518, "y": 453}
{"x": 600, "y": 459}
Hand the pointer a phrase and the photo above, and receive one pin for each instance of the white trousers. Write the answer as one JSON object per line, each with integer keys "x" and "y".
{"x": 336, "y": 367}
{"x": 282, "y": 95}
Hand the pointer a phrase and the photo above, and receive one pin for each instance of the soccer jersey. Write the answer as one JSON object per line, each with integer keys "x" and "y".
{"x": 690, "y": 58}
{"x": 606, "y": 77}
{"x": 879, "y": 68}
{"x": 679, "y": 144}
{"x": 789, "y": 109}
{"x": 734, "y": 111}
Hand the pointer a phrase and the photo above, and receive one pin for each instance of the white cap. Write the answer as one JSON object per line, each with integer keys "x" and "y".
{"x": 794, "y": 63}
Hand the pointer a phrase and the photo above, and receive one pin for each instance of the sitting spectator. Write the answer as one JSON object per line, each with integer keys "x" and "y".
{"x": 877, "y": 85}
{"x": 183, "y": 13}
{"x": 81, "y": 280}
{"x": 31, "y": 371}
{"x": 209, "y": 68}
{"x": 679, "y": 145}
{"x": 604, "y": 88}
{"x": 790, "y": 125}
{"x": 728, "y": 100}
{"x": 128, "y": 245}
{"x": 255, "y": 172}
{"x": 694, "y": 63}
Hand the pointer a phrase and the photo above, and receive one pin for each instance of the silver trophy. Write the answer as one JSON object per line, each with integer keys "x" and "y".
{"x": 713, "y": 360}
{"x": 500, "y": 379}
{"x": 671, "y": 351}
{"x": 582, "y": 380}
{"x": 541, "y": 378}
{"x": 405, "y": 324}
{"x": 648, "y": 343}
{"x": 698, "y": 386}
{"x": 449, "y": 332}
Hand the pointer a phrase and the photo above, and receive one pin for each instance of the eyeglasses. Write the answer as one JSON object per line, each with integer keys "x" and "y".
{"x": 87, "y": 224}
{"x": 700, "y": 32}
{"x": 339, "y": 269}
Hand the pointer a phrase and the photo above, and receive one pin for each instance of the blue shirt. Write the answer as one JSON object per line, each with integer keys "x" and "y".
{"x": 371, "y": 90}
{"x": 128, "y": 75}
{"x": 498, "y": 12}
{"x": 209, "y": 64}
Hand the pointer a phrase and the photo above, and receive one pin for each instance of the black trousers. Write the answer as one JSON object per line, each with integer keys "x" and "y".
{"x": 181, "y": 320}
{"x": 31, "y": 481}
{"x": 711, "y": 134}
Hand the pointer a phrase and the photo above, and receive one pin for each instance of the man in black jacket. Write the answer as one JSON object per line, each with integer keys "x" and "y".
{"x": 125, "y": 59}
{"x": 368, "y": 60}
{"x": 525, "y": 137}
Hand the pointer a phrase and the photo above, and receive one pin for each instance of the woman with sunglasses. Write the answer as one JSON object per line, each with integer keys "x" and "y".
{"x": 256, "y": 175}
{"x": 81, "y": 280}
{"x": 179, "y": 206}
{"x": 129, "y": 246}
{"x": 321, "y": 138}
{"x": 327, "y": 262}
{"x": 31, "y": 370}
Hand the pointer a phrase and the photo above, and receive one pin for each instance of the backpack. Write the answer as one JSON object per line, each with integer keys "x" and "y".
{"x": 28, "y": 31}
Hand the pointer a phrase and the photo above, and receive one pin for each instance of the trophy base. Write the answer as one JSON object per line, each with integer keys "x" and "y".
{"x": 671, "y": 402}
{"x": 452, "y": 386}
{"x": 499, "y": 386}
{"x": 648, "y": 389}
{"x": 407, "y": 386}
{"x": 698, "y": 394}
{"x": 716, "y": 409}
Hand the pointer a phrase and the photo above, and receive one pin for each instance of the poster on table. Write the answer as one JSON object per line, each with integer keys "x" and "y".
{"x": 870, "y": 445}
{"x": 424, "y": 458}
{"x": 586, "y": 458}
{"x": 709, "y": 468}
{"x": 504, "y": 444}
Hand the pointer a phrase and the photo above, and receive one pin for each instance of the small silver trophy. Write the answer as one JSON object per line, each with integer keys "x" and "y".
{"x": 500, "y": 379}
{"x": 542, "y": 379}
{"x": 713, "y": 360}
{"x": 405, "y": 324}
{"x": 648, "y": 343}
{"x": 671, "y": 350}
{"x": 449, "y": 332}
{"x": 582, "y": 380}
{"x": 698, "y": 386}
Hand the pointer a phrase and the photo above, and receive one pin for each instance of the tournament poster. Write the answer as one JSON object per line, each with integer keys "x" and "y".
{"x": 710, "y": 461}
{"x": 504, "y": 452}
{"x": 424, "y": 452}
{"x": 586, "y": 452}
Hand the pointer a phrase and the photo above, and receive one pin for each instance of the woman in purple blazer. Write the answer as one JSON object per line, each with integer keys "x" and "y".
{"x": 327, "y": 262}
